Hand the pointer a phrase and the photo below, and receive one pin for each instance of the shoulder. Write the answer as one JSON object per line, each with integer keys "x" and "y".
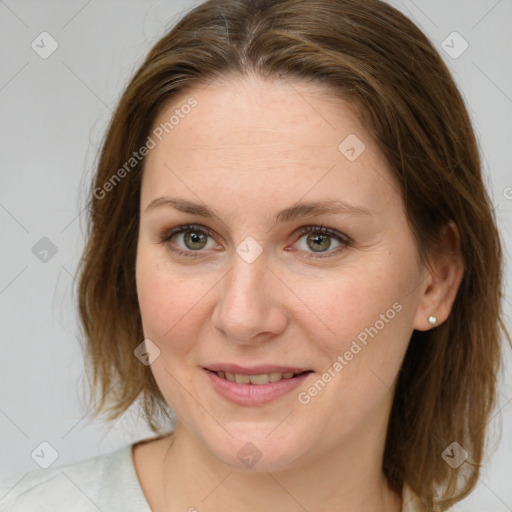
{"x": 104, "y": 482}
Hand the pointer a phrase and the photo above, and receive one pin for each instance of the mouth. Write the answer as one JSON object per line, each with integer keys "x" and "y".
{"x": 259, "y": 379}
{"x": 257, "y": 385}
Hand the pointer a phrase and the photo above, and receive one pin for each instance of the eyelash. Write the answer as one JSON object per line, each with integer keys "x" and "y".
{"x": 165, "y": 237}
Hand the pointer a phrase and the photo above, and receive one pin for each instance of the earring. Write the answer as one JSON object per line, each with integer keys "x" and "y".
{"x": 432, "y": 319}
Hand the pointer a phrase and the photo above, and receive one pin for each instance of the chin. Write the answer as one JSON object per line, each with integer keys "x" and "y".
{"x": 253, "y": 449}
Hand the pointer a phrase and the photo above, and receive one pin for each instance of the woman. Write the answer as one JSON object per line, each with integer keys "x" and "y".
{"x": 291, "y": 248}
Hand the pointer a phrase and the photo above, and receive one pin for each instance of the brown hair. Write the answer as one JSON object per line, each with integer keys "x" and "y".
{"x": 373, "y": 56}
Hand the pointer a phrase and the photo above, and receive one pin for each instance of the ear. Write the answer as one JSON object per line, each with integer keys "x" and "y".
{"x": 439, "y": 289}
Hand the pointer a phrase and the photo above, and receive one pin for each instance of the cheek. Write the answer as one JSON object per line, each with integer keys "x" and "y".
{"x": 165, "y": 303}
{"x": 356, "y": 299}
{"x": 366, "y": 317}
{"x": 169, "y": 309}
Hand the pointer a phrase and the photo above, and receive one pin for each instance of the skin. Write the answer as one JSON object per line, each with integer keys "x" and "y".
{"x": 249, "y": 149}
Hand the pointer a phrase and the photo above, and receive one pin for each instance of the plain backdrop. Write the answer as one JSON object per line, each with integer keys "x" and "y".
{"x": 54, "y": 112}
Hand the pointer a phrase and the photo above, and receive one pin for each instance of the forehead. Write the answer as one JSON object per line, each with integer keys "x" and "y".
{"x": 264, "y": 138}
{"x": 284, "y": 115}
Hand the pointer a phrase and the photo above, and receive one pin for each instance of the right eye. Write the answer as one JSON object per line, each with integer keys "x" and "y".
{"x": 188, "y": 240}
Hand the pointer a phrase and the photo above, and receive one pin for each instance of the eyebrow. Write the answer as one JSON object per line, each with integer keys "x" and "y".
{"x": 306, "y": 209}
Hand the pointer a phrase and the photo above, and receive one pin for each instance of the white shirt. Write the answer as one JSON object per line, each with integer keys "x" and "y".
{"x": 104, "y": 483}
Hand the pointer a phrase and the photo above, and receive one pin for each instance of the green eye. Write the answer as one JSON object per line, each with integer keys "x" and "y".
{"x": 186, "y": 240}
{"x": 319, "y": 239}
{"x": 190, "y": 240}
{"x": 195, "y": 240}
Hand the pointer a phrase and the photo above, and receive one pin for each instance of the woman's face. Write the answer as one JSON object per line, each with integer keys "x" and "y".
{"x": 249, "y": 293}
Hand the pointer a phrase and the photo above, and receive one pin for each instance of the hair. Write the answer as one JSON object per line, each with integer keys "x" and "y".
{"x": 376, "y": 59}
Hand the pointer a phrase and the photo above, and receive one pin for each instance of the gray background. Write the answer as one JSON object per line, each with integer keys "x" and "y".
{"x": 53, "y": 114}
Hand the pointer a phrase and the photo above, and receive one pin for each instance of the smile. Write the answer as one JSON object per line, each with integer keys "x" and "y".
{"x": 254, "y": 387}
{"x": 259, "y": 380}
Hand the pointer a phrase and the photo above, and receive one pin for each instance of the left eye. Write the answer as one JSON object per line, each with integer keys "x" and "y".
{"x": 319, "y": 240}
{"x": 193, "y": 239}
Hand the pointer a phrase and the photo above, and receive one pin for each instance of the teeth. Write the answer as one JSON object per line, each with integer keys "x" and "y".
{"x": 263, "y": 378}
{"x": 242, "y": 379}
{"x": 260, "y": 379}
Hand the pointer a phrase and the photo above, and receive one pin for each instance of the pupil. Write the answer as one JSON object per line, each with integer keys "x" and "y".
{"x": 195, "y": 238}
{"x": 320, "y": 242}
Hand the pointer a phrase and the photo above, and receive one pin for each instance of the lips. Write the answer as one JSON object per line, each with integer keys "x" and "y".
{"x": 256, "y": 385}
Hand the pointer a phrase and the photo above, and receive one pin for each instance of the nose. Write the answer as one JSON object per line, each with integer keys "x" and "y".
{"x": 250, "y": 307}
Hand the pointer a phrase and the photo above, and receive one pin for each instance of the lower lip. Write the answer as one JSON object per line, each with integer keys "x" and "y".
{"x": 254, "y": 394}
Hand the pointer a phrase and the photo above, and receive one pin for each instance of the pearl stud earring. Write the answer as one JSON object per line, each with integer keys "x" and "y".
{"x": 432, "y": 319}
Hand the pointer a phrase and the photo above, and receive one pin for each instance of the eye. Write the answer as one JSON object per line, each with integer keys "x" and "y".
{"x": 190, "y": 240}
{"x": 319, "y": 239}
{"x": 187, "y": 240}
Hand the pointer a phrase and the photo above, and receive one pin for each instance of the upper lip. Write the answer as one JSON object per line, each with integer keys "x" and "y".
{"x": 254, "y": 370}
